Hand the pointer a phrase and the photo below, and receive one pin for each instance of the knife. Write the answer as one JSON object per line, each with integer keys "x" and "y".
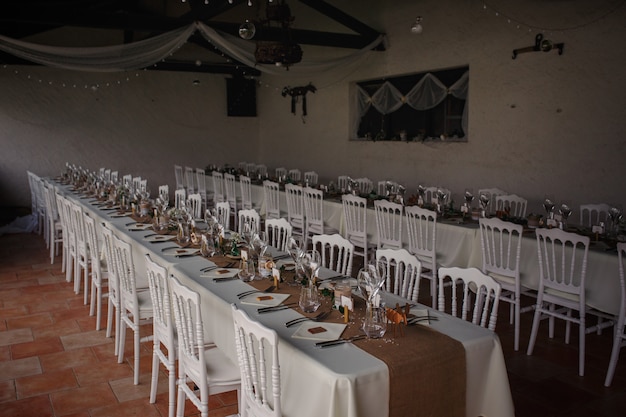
{"x": 339, "y": 341}
{"x": 275, "y": 308}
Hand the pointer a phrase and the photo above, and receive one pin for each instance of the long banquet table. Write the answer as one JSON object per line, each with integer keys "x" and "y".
{"x": 459, "y": 245}
{"x": 342, "y": 381}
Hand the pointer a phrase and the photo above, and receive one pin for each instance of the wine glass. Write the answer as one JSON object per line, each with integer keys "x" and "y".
{"x": 565, "y": 212}
{"x": 548, "y": 205}
{"x": 311, "y": 263}
{"x": 615, "y": 214}
{"x": 421, "y": 193}
{"x": 484, "y": 203}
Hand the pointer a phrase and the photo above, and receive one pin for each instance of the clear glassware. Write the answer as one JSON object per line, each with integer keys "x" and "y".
{"x": 548, "y": 205}
{"x": 484, "y": 204}
{"x": 565, "y": 212}
{"x": 375, "y": 321}
{"x": 311, "y": 263}
{"x": 309, "y": 299}
{"x": 247, "y": 270}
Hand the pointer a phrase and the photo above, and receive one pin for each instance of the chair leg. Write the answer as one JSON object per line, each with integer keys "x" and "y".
{"x": 180, "y": 401}
{"x": 516, "y": 307}
{"x": 121, "y": 344}
{"x": 172, "y": 384}
{"x": 581, "y": 346}
{"x": 617, "y": 342}
{"x": 155, "y": 371}
{"x": 535, "y": 329}
{"x": 137, "y": 347}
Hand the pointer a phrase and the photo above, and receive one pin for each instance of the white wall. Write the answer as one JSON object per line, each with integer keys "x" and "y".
{"x": 540, "y": 124}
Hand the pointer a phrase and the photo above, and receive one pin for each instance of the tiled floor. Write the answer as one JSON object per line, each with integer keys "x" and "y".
{"x": 54, "y": 363}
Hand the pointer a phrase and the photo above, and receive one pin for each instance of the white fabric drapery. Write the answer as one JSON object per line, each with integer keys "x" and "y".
{"x": 426, "y": 94}
{"x": 144, "y": 53}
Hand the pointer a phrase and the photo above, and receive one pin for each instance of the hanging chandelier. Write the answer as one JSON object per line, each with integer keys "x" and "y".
{"x": 283, "y": 52}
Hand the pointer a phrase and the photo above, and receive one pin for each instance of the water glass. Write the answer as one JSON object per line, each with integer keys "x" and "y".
{"x": 246, "y": 270}
{"x": 309, "y": 299}
{"x": 375, "y": 321}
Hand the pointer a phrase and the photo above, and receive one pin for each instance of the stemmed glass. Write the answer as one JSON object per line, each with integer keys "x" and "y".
{"x": 548, "y": 205}
{"x": 484, "y": 203}
{"x": 421, "y": 192}
{"x": 442, "y": 197}
{"x": 469, "y": 197}
{"x": 371, "y": 280}
{"x": 311, "y": 262}
{"x": 296, "y": 252}
{"x": 565, "y": 212}
{"x": 615, "y": 214}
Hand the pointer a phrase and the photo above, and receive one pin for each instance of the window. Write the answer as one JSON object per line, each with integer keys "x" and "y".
{"x": 415, "y": 107}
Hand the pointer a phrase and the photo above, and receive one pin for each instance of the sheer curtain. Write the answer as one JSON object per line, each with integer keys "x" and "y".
{"x": 144, "y": 53}
{"x": 426, "y": 94}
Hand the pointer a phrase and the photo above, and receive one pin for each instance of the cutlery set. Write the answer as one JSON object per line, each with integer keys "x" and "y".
{"x": 319, "y": 317}
{"x": 263, "y": 310}
{"x": 336, "y": 342}
{"x": 244, "y": 294}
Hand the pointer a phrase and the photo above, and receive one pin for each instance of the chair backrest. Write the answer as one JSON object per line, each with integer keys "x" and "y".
{"x": 189, "y": 180}
{"x": 195, "y": 205}
{"x": 222, "y": 210}
{"x": 123, "y": 253}
{"x": 562, "y": 262}
{"x": 388, "y": 224}
{"x": 180, "y": 198}
{"x": 109, "y": 255}
{"x": 107, "y": 175}
{"x": 593, "y": 214}
{"x": 164, "y": 193}
{"x": 201, "y": 183}
{"x": 243, "y": 166}
{"x": 501, "y": 244}
{"x": 179, "y": 176}
{"x": 366, "y": 186}
{"x": 310, "y": 178}
{"x": 281, "y": 173}
{"x": 278, "y": 232}
{"x": 421, "y": 226}
{"x": 114, "y": 177}
{"x": 95, "y": 251}
{"x": 78, "y": 225}
{"x": 261, "y": 170}
{"x": 295, "y": 207}
{"x": 230, "y": 187}
{"x": 512, "y": 203}
{"x": 271, "y": 194}
{"x": 491, "y": 193}
{"x": 336, "y": 252}
{"x": 127, "y": 180}
{"x": 402, "y": 272}
{"x": 382, "y": 186}
{"x": 355, "y": 215}
{"x": 342, "y": 183}
{"x": 313, "y": 210}
{"x": 474, "y": 284}
{"x": 430, "y": 195}
{"x": 250, "y": 168}
{"x": 295, "y": 174}
{"x": 190, "y": 330}
{"x": 219, "y": 195}
{"x": 250, "y": 217}
{"x": 257, "y": 352}
{"x": 52, "y": 207}
{"x": 162, "y": 323}
{"x": 245, "y": 184}
{"x": 136, "y": 183}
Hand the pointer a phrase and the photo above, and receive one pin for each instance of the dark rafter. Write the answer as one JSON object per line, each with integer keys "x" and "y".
{"x": 21, "y": 18}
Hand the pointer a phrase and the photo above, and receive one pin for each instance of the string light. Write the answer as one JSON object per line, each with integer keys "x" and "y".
{"x": 520, "y": 25}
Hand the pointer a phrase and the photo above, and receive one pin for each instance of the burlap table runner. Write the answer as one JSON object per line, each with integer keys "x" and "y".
{"x": 427, "y": 372}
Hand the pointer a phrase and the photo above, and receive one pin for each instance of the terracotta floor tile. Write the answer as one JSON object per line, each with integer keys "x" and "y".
{"x": 38, "y": 406}
{"x": 45, "y": 383}
{"x": 83, "y": 398}
{"x": 5, "y": 353}
{"x": 125, "y": 390}
{"x": 19, "y": 368}
{"x": 96, "y": 372}
{"x": 131, "y": 408}
{"x": 11, "y": 337}
{"x": 36, "y": 347}
{"x": 14, "y": 311}
{"x": 60, "y": 328}
{"x": 67, "y": 359}
{"x": 7, "y": 391}
{"x": 34, "y": 320}
{"x": 92, "y": 338}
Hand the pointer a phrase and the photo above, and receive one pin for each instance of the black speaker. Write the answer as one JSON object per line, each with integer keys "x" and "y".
{"x": 241, "y": 97}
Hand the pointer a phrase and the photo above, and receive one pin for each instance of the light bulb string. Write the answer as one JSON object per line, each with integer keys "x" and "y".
{"x": 531, "y": 27}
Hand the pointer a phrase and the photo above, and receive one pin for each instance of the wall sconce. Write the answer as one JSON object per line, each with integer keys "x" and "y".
{"x": 417, "y": 26}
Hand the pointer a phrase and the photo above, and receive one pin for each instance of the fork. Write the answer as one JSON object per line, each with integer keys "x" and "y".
{"x": 246, "y": 293}
{"x": 340, "y": 341}
{"x": 319, "y": 317}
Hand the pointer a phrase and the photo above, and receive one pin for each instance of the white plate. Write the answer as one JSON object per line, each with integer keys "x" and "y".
{"x": 158, "y": 238}
{"x": 220, "y": 273}
{"x": 333, "y": 331}
{"x": 275, "y": 299}
{"x": 289, "y": 264}
{"x": 180, "y": 251}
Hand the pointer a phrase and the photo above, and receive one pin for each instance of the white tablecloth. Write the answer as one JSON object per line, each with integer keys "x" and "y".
{"x": 340, "y": 382}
